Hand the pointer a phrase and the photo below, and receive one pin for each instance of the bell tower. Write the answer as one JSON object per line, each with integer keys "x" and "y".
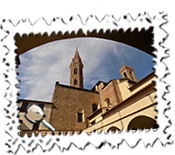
{"x": 76, "y": 71}
{"x": 128, "y": 72}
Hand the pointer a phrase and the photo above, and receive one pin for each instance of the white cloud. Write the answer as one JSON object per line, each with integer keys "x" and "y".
{"x": 41, "y": 67}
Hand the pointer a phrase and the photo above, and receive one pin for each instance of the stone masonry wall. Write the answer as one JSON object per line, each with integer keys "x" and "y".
{"x": 68, "y": 101}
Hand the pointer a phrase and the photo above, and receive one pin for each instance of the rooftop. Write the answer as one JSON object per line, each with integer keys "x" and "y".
{"x": 35, "y": 101}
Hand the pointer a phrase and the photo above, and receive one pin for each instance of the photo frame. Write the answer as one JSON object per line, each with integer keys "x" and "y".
{"x": 149, "y": 137}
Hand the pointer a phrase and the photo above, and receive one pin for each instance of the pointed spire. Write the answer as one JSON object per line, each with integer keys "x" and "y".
{"x": 76, "y": 71}
{"x": 76, "y": 53}
{"x": 77, "y": 56}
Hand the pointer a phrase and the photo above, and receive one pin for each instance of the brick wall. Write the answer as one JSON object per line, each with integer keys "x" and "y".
{"x": 67, "y": 101}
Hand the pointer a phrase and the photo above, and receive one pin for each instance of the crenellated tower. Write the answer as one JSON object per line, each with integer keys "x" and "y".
{"x": 128, "y": 72}
{"x": 76, "y": 71}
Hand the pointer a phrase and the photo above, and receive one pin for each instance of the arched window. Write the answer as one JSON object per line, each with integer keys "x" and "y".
{"x": 75, "y": 71}
{"x": 80, "y": 115}
{"x": 108, "y": 103}
{"x": 94, "y": 107}
{"x": 125, "y": 75}
{"x": 75, "y": 82}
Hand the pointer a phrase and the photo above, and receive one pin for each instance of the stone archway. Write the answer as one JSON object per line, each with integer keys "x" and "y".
{"x": 142, "y": 39}
{"x": 113, "y": 129}
{"x": 142, "y": 122}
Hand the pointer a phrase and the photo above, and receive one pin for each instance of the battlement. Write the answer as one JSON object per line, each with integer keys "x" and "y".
{"x": 126, "y": 67}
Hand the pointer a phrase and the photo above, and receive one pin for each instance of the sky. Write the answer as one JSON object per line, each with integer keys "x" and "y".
{"x": 41, "y": 67}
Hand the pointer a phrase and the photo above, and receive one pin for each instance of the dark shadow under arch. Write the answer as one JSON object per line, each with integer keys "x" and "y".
{"x": 113, "y": 129}
{"x": 142, "y": 39}
{"x": 142, "y": 122}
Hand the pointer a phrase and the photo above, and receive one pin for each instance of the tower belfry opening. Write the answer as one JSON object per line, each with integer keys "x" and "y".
{"x": 128, "y": 72}
{"x": 76, "y": 71}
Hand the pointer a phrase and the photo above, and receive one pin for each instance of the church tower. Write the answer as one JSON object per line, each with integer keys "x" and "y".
{"x": 76, "y": 71}
{"x": 128, "y": 72}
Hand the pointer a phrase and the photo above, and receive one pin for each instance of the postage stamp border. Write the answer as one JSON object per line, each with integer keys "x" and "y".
{"x": 149, "y": 137}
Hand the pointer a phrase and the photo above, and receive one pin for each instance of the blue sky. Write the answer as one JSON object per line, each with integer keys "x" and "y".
{"x": 41, "y": 67}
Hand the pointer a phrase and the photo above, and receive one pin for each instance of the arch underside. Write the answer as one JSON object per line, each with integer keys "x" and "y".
{"x": 113, "y": 129}
{"x": 142, "y": 39}
{"x": 142, "y": 122}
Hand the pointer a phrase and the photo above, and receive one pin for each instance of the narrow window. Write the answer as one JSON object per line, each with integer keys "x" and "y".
{"x": 75, "y": 71}
{"x": 125, "y": 75}
{"x": 108, "y": 103}
{"x": 80, "y": 117}
{"x": 94, "y": 107}
{"x": 24, "y": 107}
{"x": 75, "y": 82}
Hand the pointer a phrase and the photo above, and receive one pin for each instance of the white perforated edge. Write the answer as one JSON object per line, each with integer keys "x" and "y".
{"x": 40, "y": 25}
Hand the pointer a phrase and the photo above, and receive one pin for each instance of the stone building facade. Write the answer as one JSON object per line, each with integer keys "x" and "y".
{"x": 106, "y": 106}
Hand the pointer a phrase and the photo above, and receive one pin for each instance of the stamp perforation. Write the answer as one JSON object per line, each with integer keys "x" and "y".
{"x": 16, "y": 142}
